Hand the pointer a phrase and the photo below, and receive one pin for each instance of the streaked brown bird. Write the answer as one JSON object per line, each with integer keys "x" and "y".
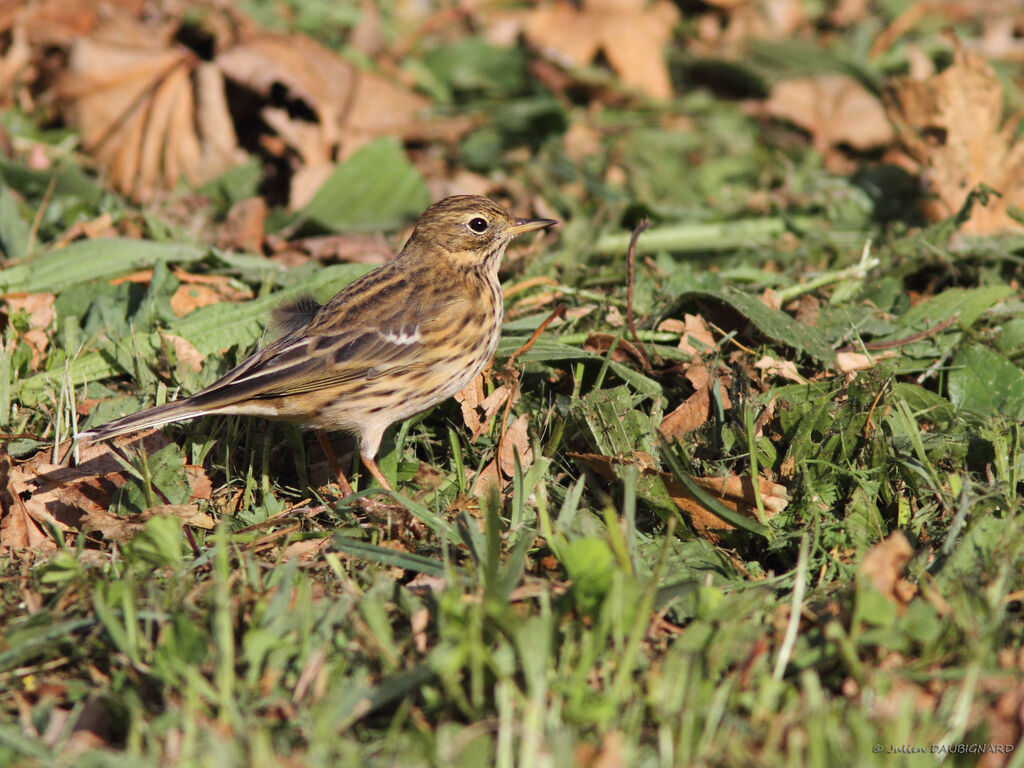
{"x": 393, "y": 343}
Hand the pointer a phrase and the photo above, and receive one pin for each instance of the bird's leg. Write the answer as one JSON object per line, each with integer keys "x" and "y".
{"x": 371, "y": 465}
{"x": 325, "y": 444}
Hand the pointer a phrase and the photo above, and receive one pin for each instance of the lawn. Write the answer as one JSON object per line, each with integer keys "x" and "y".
{"x": 740, "y": 487}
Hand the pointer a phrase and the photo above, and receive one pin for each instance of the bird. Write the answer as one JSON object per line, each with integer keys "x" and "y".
{"x": 391, "y": 344}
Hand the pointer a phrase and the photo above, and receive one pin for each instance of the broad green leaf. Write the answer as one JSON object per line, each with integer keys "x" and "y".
{"x": 590, "y": 564}
{"x": 984, "y": 382}
{"x": 14, "y": 230}
{"x": 388, "y": 557}
{"x": 376, "y": 188}
{"x": 209, "y": 329}
{"x": 773, "y": 323}
{"x": 966, "y": 303}
{"x": 92, "y": 260}
{"x": 546, "y": 351}
{"x": 67, "y": 180}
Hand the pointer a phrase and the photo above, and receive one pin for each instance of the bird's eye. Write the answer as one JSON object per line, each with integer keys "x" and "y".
{"x": 478, "y": 225}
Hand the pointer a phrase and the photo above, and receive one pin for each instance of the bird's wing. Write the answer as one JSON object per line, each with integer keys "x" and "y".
{"x": 334, "y": 347}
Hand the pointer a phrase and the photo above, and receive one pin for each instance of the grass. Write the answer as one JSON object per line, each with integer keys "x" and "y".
{"x": 585, "y": 614}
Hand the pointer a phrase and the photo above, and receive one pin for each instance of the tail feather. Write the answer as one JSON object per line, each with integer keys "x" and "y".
{"x": 182, "y": 410}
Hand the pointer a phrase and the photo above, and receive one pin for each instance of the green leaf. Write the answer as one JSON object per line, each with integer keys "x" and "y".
{"x": 92, "y": 260}
{"x": 966, "y": 303}
{"x": 376, "y": 188}
{"x": 546, "y": 351}
{"x": 210, "y": 329}
{"x": 984, "y": 382}
{"x": 388, "y": 557}
{"x": 14, "y": 230}
{"x": 590, "y": 564}
{"x": 67, "y": 179}
{"x": 773, "y": 323}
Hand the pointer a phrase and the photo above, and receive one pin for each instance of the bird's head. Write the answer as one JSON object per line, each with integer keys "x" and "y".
{"x": 468, "y": 230}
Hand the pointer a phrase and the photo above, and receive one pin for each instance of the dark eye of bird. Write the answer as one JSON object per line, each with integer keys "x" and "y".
{"x": 478, "y": 225}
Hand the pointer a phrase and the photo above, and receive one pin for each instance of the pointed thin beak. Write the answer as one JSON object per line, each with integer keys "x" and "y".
{"x": 528, "y": 225}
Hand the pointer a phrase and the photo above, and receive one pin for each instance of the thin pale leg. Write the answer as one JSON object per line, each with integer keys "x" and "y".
{"x": 325, "y": 444}
{"x": 371, "y": 465}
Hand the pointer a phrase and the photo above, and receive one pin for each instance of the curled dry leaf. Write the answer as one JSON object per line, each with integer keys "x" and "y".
{"x": 835, "y": 110}
{"x": 785, "y": 369}
{"x": 738, "y": 21}
{"x": 688, "y": 416}
{"x": 951, "y": 127}
{"x": 185, "y": 352}
{"x": 243, "y": 227}
{"x": 477, "y": 410}
{"x": 39, "y": 309}
{"x": 622, "y": 351}
{"x": 202, "y": 290}
{"x": 147, "y": 108}
{"x": 631, "y": 34}
{"x": 858, "y": 361}
{"x": 515, "y": 442}
{"x": 352, "y": 107}
{"x": 883, "y": 564}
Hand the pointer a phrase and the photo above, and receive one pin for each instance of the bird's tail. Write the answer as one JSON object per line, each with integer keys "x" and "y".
{"x": 182, "y": 410}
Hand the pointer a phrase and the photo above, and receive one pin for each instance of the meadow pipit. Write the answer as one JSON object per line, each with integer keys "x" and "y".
{"x": 398, "y": 340}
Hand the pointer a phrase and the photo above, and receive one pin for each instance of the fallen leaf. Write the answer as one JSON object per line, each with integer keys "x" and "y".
{"x": 697, "y": 338}
{"x": 351, "y": 106}
{"x": 631, "y": 34}
{"x": 243, "y": 227}
{"x": 883, "y": 564}
{"x": 38, "y": 307}
{"x": 185, "y": 352}
{"x": 734, "y": 491}
{"x": 951, "y": 126}
{"x": 785, "y": 369}
{"x": 201, "y": 290}
{"x": 858, "y": 361}
{"x": 622, "y": 351}
{"x": 734, "y": 23}
{"x": 147, "y": 108}
{"x": 688, "y": 416}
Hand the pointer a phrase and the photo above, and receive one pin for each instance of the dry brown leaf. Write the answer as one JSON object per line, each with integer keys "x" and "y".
{"x": 202, "y": 290}
{"x": 734, "y": 491}
{"x": 147, "y": 109}
{"x": 185, "y": 352}
{"x": 883, "y": 564}
{"x": 351, "y": 106}
{"x": 622, "y": 351}
{"x": 631, "y": 34}
{"x": 697, "y": 338}
{"x": 739, "y": 21}
{"x": 785, "y": 369}
{"x": 858, "y": 361}
{"x": 67, "y": 496}
{"x": 951, "y": 126}
{"x": 39, "y": 308}
{"x": 690, "y": 415}
{"x": 836, "y": 110}
{"x": 243, "y": 227}
{"x": 515, "y": 442}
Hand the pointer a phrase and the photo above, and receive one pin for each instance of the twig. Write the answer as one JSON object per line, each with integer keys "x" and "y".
{"x": 876, "y": 346}
{"x": 558, "y": 311}
{"x": 38, "y": 218}
{"x": 513, "y": 378}
{"x": 630, "y": 262}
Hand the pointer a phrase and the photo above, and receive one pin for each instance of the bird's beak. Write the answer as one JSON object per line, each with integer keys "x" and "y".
{"x": 528, "y": 225}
